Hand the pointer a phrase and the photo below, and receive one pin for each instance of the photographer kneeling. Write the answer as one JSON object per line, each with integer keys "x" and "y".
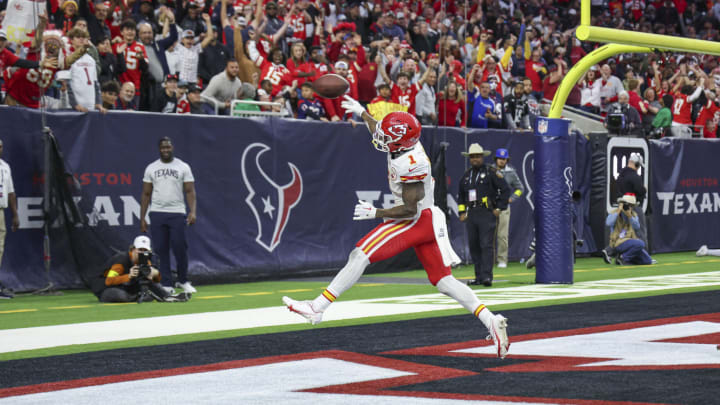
{"x": 623, "y": 223}
{"x": 128, "y": 277}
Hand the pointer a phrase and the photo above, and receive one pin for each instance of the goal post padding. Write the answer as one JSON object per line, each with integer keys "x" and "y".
{"x": 553, "y": 203}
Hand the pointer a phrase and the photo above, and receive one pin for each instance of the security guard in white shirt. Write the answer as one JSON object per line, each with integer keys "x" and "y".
{"x": 7, "y": 199}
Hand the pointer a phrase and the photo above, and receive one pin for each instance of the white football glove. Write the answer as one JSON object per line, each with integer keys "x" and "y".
{"x": 364, "y": 210}
{"x": 350, "y": 104}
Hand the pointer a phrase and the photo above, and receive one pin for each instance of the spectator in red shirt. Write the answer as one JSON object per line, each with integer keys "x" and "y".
{"x": 451, "y": 106}
{"x": 134, "y": 54}
{"x": 9, "y": 59}
{"x": 710, "y": 129}
{"x": 384, "y": 94}
{"x": 635, "y": 99}
{"x": 300, "y": 69}
{"x": 552, "y": 80}
{"x": 332, "y": 106}
{"x": 709, "y": 112}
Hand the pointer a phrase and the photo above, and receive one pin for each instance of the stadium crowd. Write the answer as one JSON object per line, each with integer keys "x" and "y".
{"x": 474, "y": 63}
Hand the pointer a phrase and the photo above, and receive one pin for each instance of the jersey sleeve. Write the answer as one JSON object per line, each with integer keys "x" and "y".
{"x": 10, "y": 185}
{"x": 411, "y": 167}
{"x": 187, "y": 174}
{"x": 8, "y": 58}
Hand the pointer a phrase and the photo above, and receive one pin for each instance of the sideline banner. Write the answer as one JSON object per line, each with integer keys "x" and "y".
{"x": 275, "y": 196}
{"x": 684, "y": 194}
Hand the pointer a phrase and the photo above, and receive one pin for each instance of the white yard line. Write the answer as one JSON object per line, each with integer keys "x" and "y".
{"x": 12, "y": 340}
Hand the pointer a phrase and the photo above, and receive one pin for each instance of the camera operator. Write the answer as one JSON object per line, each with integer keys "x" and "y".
{"x": 630, "y": 182}
{"x": 622, "y": 118}
{"x": 624, "y": 243}
{"x": 130, "y": 276}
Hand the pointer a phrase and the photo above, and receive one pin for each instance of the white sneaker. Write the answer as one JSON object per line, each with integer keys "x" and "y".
{"x": 187, "y": 287}
{"x": 498, "y": 333}
{"x": 702, "y": 251}
{"x": 170, "y": 290}
{"x": 502, "y": 265}
{"x": 303, "y": 308}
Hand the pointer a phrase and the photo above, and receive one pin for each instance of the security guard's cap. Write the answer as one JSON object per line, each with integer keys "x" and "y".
{"x": 502, "y": 153}
{"x": 476, "y": 149}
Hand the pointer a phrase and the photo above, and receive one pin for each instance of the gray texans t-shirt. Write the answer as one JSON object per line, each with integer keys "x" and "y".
{"x": 167, "y": 180}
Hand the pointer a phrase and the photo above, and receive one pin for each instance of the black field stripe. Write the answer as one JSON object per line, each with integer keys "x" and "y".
{"x": 696, "y": 386}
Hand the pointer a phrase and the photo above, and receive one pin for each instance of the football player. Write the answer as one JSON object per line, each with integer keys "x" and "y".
{"x": 415, "y": 223}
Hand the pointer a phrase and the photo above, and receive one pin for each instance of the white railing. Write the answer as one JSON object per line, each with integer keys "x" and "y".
{"x": 250, "y": 113}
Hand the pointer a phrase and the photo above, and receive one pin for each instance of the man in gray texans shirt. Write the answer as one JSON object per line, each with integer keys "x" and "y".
{"x": 164, "y": 183}
{"x": 516, "y": 189}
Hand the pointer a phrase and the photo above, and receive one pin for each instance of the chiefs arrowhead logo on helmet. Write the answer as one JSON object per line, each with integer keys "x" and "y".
{"x": 396, "y": 132}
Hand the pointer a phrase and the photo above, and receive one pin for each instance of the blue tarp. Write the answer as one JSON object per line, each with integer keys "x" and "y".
{"x": 306, "y": 178}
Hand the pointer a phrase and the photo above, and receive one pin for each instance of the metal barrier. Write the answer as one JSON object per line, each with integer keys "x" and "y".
{"x": 249, "y": 113}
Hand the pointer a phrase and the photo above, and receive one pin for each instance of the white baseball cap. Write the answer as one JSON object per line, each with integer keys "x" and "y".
{"x": 637, "y": 158}
{"x": 142, "y": 242}
{"x": 3, "y": 33}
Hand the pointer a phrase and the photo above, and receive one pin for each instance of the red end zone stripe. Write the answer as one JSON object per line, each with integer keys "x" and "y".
{"x": 558, "y": 363}
{"x": 422, "y": 372}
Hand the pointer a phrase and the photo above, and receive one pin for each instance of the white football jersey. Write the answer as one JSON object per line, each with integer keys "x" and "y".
{"x": 83, "y": 77}
{"x": 411, "y": 167}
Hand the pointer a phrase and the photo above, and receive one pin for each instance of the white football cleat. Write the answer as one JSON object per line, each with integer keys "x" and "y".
{"x": 303, "y": 308}
{"x": 498, "y": 333}
{"x": 502, "y": 265}
{"x": 702, "y": 251}
{"x": 186, "y": 286}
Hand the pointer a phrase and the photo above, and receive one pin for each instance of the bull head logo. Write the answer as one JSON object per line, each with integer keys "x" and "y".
{"x": 528, "y": 169}
{"x": 270, "y": 203}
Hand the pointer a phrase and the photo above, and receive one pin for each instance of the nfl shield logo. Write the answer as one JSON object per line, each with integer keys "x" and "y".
{"x": 542, "y": 126}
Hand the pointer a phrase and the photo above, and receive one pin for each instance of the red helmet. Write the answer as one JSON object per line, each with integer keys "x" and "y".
{"x": 398, "y": 131}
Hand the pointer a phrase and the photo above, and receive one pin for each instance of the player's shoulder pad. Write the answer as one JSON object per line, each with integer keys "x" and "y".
{"x": 410, "y": 168}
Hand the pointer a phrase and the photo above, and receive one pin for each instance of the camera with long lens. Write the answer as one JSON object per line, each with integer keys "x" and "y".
{"x": 143, "y": 278}
{"x": 144, "y": 266}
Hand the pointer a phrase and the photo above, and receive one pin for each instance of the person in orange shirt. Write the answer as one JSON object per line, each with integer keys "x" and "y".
{"x": 123, "y": 277}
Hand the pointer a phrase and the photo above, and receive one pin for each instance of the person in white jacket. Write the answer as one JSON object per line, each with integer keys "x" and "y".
{"x": 590, "y": 86}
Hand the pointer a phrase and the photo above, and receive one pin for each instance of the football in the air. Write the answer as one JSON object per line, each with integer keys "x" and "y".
{"x": 330, "y": 85}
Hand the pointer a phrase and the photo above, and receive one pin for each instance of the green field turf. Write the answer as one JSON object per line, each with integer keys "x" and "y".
{"x": 81, "y": 306}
